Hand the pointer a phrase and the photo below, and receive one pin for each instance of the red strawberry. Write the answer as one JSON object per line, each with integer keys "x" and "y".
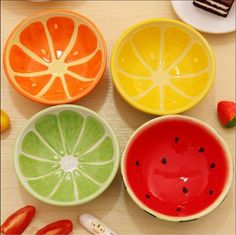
{"x": 227, "y": 113}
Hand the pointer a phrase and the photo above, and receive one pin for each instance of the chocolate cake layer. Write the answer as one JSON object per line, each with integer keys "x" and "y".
{"x": 218, "y": 7}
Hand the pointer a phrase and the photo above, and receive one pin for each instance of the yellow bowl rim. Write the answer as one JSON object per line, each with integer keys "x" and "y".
{"x": 152, "y": 110}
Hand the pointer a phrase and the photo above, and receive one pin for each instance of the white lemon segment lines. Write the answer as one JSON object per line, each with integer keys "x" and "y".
{"x": 190, "y": 75}
{"x": 130, "y": 75}
{"x": 183, "y": 54}
{"x": 141, "y": 60}
{"x": 161, "y": 79}
{"x": 160, "y": 65}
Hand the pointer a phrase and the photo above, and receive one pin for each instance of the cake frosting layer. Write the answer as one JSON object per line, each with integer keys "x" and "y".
{"x": 207, "y": 6}
{"x": 217, "y": 4}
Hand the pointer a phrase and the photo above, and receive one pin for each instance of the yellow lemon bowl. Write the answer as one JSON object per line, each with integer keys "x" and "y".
{"x": 162, "y": 66}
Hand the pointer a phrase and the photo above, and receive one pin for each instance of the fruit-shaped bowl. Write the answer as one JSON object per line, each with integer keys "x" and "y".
{"x": 55, "y": 57}
{"x": 162, "y": 66}
{"x": 66, "y": 155}
{"x": 177, "y": 168}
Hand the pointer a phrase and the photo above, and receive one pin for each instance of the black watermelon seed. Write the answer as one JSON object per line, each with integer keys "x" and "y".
{"x": 178, "y": 208}
{"x": 185, "y": 190}
{"x": 211, "y": 191}
{"x": 213, "y": 165}
{"x": 164, "y": 160}
{"x": 137, "y": 163}
{"x": 147, "y": 196}
{"x": 176, "y": 139}
{"x": 201, "y": 150}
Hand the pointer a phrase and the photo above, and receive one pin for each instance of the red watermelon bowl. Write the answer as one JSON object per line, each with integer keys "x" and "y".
{"x": 177, "y": 168}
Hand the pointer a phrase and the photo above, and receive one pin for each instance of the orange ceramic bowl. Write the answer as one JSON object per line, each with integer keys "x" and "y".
{"x": 55, "y": 57}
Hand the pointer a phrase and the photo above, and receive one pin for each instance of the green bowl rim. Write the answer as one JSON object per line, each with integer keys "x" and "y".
{"x": 104, "y": 186}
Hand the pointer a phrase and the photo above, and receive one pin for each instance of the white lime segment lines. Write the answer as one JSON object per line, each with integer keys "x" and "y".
{"x": 46, "y": 143}
{"x": 94, "y": 146}
{"x": 57, "y": 186}
{"x": 79, "y": 137}
{"x": 89, "y": 177}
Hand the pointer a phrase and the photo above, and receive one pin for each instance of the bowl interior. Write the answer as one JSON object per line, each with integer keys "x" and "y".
{"x": 162, "y": 66}
{"x": 66, "y": 155}
{"x": 176, "y": 167}
{"x": 55, "y": 57}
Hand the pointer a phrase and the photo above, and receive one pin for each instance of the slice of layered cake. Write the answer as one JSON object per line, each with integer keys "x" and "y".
{"x": 218, "y": 7}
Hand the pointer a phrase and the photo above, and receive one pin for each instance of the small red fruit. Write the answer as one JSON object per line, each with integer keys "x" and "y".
{"x": 18, "y": 221}
{"x": 227, "y": 113}
{"x": 61, "y": 227}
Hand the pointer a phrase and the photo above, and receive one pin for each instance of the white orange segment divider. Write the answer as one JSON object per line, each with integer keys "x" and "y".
{"x": 190, "y": 75}
{"x": 84, "y": 59}
{"x": 78, "y": 77}
{"x": 48, "y": 36}
{"x": 65, "y": 86}
{"x": 33, "y": 74}
{"x": 71, "y": 43}
{"x": 32, "y": 54}
{"x": 47, "y": 86}
{"x": 94, "y": 146}
{"x": 89, "y": 177}
{"x": 39, "y": 158}
{"x": 183, "y": 54}
{"x": 57, "y": 186}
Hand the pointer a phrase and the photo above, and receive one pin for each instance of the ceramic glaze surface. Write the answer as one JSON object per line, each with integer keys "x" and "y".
{"x": 162, "y": 66}
{"x": 55, "y": 57}
{"x": 66, "y": 155}
{"x": 176, "y": 167}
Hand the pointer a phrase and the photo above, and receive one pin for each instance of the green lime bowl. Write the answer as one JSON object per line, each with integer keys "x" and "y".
{"x": 66, "y": 155}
